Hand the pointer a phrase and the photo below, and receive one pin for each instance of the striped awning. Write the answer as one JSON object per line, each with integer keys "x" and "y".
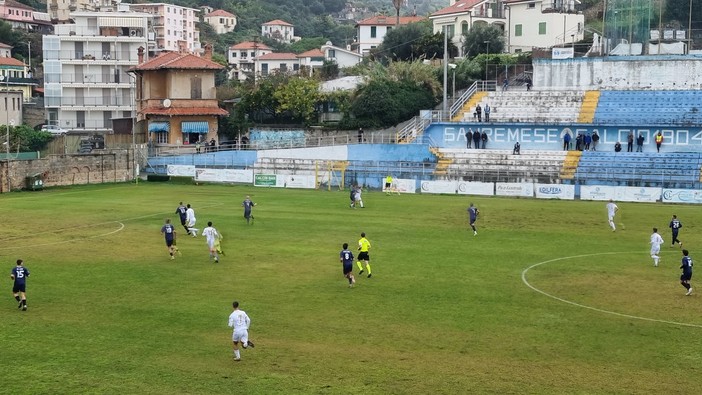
{"x": 115, "y": 21}
{"x": 159, "y": 127}
{"x": 195, "y": 127}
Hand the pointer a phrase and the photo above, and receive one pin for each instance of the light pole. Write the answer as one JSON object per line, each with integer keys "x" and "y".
{"x": 6, "y": 78}
{"x": 444, "y": 29}
{"x": 453, "y": 89}
{"x": 487, "y": 58}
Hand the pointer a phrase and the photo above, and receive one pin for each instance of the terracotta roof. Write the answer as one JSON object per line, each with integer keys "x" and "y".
{"x": 11, "y": 62}
{"x": 3, "y": 45}
{"x": 172, "y": 111}
{"x": 220, "y": 13}
{"x": 250, "y": 45}
{"x": 381, "y": 20}
{"x": 17, "y": 4}
{"x": 312, "y": 53}
{"x": 457, "y": 8}
{"x": 278, "y": 56}
{"x": 277, "y": 22}
{"x": 175, "y": 60}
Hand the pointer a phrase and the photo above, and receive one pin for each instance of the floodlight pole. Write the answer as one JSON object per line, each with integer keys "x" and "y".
{"x": 445, "y": 31}
{"x": 6, "y": 78}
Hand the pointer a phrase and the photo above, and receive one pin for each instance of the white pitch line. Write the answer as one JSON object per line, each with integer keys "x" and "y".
{"x": 121, "y": 227}
{"x": 526, "y": 282}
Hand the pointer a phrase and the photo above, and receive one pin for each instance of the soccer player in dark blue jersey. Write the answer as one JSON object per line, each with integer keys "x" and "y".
{"x": 169, "y": 233}
{"x": 675, "y": 226}
{"x": 686, "y": 275}
{"x": 182, "y": 212}
{"x": 19, "y": 275}
{"x": 473, "y": 214}
{"x": 248, "y": 206}
{"x": 346, "y": 258}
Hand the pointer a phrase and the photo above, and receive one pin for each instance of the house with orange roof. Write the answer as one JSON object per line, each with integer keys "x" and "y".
{"x": 16, "y": 78}
{"x": 310, "y": 60}
{"x": 277, "y": 62}
{"x": 176, "y": 97}
{"x": 371, "y": 31}
{"x": 242, "y": 57}
{"x": 279, "y": 30}
{"x": 5, "y": 50}
{"x": 221, "y": 21}
{"x": 343, "y": 57}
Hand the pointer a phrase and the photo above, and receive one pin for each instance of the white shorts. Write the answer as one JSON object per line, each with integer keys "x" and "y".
{"x": 241, "y": 336}
{"x": 191, "y": 224}
{"x": 211, "y": 244}
{"x": 611, "y": 218}
{"x": 655, "y": 250}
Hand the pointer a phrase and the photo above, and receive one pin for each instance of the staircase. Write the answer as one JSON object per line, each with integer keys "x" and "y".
{"x": 442, "y": 163}
{"x": 587, "y": 110}
{"x": 469, "y": 106}
{"x": 570, "y": 165}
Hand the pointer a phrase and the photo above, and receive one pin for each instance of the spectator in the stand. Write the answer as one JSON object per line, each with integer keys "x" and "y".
{"x": 528, "y": 83}
{"x": 479, "y": 111}
{"x": 505, "y": 84}
{"x": 360, "y": 135}
{"x": 484, "y": 138}
{"x": 617, "y": 147}
{"x": 588, "y": 141}
{"x": 579, "y": 142}
{"x": 639, "y": 143}
{"x": 659, "y": 141}
{"x": 213, "y": 145}
{"x": 595, "y": 140}
{"x": 487, "y": 112}
{"x": 476, "y": 139}
{"x": 469, "y": 137}
{"x": 517, "y": 149}
{"x": 566, "y": 141}
{"x": 630, "y": 142}
{"x": 244, "y": 142}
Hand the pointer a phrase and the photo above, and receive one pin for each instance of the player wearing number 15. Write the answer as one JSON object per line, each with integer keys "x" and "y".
{"x": 19, "y": 275}
{"x": 346, "y": 259}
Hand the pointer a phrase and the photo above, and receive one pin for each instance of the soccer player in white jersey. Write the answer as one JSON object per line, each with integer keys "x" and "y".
{"x": 190, "y": 221}
{"x": 239, "y": 322}
{"x": 611, "y": 212}
{"x": 656, "y": 241}
{"x": 211, "y": 237}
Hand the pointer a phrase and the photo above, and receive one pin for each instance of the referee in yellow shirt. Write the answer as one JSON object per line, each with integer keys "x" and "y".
{"x": 363, "y": 246}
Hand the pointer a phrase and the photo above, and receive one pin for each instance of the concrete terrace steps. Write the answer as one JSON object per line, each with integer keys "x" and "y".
{"x": 531, "y": 106}
{"x": 673, "y": 169}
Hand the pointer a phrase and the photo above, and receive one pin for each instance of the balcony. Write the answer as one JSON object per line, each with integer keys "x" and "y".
{"x": 97, "y": 56}
{"x": 558, "y": 6}
{"x": 109, "y": 101}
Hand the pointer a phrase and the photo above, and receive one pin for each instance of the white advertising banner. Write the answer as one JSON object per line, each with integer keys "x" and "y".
{"x": 299, "y": 181}
{"x": 438, "y": 187}
{"x": 597, "y": 192}
{"x": 181, "y": 170}
{"x": 514, "y": 189}
{"x": 401, "y": 185}
{"x": 637, "y": 194}
{"x": 475, "y": 188}
{"x": 682, "y": 196}
{"x": 224, "y": 175}
{"x": 562, "y": 53}
{"x": 554, "y": 191}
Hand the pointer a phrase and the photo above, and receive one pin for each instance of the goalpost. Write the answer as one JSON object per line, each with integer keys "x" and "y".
{"x": 330, "y": 172}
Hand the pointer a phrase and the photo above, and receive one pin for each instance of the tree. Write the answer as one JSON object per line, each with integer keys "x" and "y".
{"x": 679, "y": 10}
{"x": 398, "y": 42}
{"x": 25, "y": 139}
{"x": 481, "y": 39}
{"x": 397, "y": 4}
{"x": 299, "y": 96}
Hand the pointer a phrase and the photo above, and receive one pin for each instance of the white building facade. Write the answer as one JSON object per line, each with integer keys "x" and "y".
{"x": 174, "y": 27}
{"x": 221, "y": 21}
{"x": 242, "y": 58}
{"x": 279, "y": 30}
{"x": 371, "y": 31}
{"x": 86, "y": 83}
{"x": 341, "y": 56}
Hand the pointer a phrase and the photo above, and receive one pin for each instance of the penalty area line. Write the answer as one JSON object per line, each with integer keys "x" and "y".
{"x": 570, "y": 302}
{"x": 121, "y": 227}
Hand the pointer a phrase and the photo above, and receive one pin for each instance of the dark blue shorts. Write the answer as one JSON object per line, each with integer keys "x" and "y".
{"x": 169, "y": 242}
{"x": 686, "y": 277}
{"x": 19, "y": 288}
{"x": 182, "y": 220}
{"x": 348, "y": 268}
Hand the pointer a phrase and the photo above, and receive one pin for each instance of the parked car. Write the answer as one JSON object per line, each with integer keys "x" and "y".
{"x": 53, "y": 129}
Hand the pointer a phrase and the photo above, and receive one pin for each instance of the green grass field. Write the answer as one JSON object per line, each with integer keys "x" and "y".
{"x": 445, "y": 312}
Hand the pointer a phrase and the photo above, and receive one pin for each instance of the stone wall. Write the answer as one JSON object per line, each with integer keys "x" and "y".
{"x": 62, "y": 170}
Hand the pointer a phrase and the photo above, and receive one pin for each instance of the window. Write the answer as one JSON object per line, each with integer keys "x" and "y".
{"x": 264, "y": 68}
{"x": 464, "y": 27}
{"x": 332, "y": 53}
{"x": 283, "y": 67}
{"x": 233, "y": 54}
{"x": 243, "y": 55}
{"x": 531, "y": 5}
{"x": 221, "y": 20}
{"x": 196, "y": 88}
{"x": 517, "y": 30}
{"x": 542, "y": 28}
{"x": 253, "y": 54}
{"x": 296, "y": 67}
{"x": 374, "y": 31}
{"x": 388, "y": 29}
{"x": 450, "y": 30}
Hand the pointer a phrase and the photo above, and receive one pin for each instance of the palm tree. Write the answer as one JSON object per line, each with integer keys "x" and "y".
{"x": 397, "y": 4}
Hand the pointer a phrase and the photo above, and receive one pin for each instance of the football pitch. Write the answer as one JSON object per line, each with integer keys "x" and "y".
{"x": 546, "y": 299}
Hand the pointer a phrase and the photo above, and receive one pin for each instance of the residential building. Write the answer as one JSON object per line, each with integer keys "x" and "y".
{"x": 174, "y": 27}
{"x": 525, "y": 23}
{"x": 310, "y": 60}
{"x": 276, "y": 62}
{"x": 221, "y": 21}
{"x": 371, "y": 31}
{"x": 242, "y": 57}
{"x": 86, "y": 84}
{"x": 5, "y": 50}
{"x": 176, "y": 97}
{"x": 279, "y": 30}
{"x": 343, "y": 57}
{"x": 21, "y": 16}
{"x": 16, "y": 77}
{"x": 60, "y": 10}
{"x": 11, "y": 102}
